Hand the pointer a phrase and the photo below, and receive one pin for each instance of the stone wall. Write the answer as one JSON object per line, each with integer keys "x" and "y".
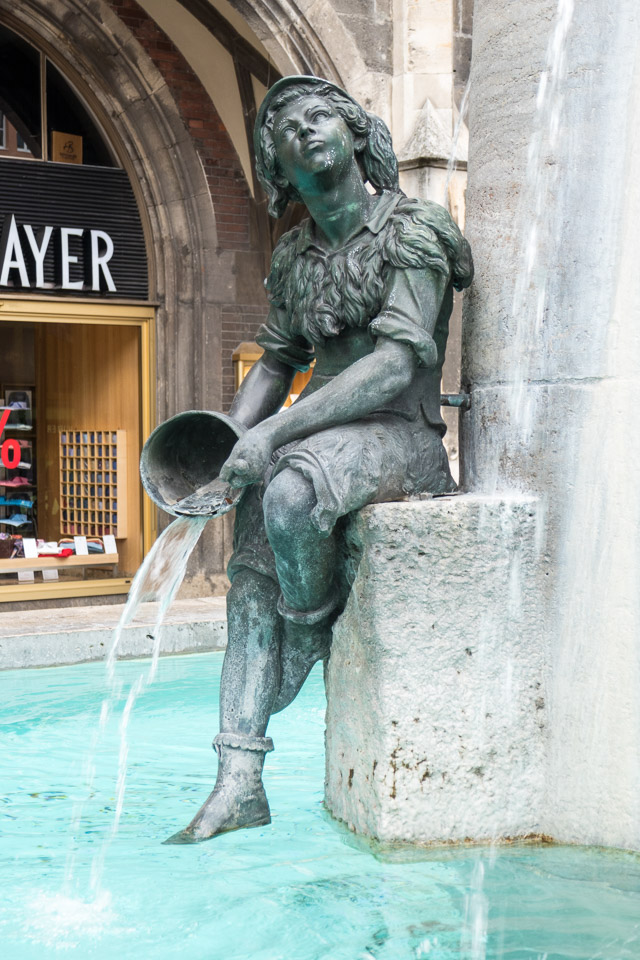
{"x": 233, "y": 206}
{"x": 227, "y": 185}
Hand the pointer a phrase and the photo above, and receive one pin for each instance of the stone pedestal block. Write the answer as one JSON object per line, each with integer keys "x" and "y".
{"x": 436, "y": 702}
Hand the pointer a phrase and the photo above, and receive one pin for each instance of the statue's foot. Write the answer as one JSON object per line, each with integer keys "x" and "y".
{"x": 222, "y": 813}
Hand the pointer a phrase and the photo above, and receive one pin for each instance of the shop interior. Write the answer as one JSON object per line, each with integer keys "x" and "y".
{"x": 70, "y": 396}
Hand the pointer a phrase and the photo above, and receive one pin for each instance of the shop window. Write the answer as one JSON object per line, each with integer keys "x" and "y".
{"x": 20, "y": 69}
{"x": 68, "y": 480}
{"x": 72, "y": 134}
{"x": 75, "y": 366}
{"x": 65, "y": 132}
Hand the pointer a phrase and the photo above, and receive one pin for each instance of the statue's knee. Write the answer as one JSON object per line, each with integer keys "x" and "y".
{"x": 288, "y": 502}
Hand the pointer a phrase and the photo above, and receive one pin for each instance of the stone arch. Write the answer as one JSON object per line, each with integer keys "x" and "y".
{"x": 324, "y": 48}
{"x": 136, "y": 109}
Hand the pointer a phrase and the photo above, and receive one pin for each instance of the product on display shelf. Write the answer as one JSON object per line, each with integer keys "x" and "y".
{"x": 16, "y": 520}
{"x": 16, "y": 482}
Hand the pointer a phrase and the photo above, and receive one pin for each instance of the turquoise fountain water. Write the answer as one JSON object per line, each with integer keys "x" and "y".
{"x": 300, "y": 889}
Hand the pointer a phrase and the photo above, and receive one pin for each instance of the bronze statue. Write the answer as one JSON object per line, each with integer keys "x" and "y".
{"x": 364, "y": 287}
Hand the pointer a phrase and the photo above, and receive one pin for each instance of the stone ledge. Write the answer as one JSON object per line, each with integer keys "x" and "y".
{"x": 436, "y": 705}
{"x": 46, "y": 638}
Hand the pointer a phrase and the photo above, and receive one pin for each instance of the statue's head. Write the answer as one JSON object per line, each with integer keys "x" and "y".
{"x": 371, "y": 138}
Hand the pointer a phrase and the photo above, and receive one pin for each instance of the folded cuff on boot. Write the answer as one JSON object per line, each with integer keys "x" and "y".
{"x": 307, "y": 617}
{"x": 241, "y": 742}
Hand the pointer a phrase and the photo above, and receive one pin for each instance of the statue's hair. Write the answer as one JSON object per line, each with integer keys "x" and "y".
{"x": 323, "y": 295}
{"x": 372, "y": 140}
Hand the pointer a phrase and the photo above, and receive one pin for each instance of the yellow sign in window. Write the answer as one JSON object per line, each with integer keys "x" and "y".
{"x": 66, "y": 147}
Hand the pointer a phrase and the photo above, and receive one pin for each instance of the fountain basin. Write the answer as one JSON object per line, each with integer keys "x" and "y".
{"x": 302, "y": 888}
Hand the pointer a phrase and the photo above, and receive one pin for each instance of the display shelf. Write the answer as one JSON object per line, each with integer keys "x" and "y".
{"x": 16, "y": 564}
{"x": 93, "y": 482}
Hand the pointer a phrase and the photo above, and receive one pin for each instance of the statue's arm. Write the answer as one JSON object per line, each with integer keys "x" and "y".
{"x": 263, "y": 390}
{"x": 362, "y": 388}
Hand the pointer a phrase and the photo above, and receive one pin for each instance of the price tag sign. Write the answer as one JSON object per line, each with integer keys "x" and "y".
{"x": 30, "y": 548}
{"x": 30, "y": 553}
{"x": 109, "y": 543}
{"x": 82, "y": 550}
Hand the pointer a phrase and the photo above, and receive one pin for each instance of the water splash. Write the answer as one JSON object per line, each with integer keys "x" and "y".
{"x": 64, "y": 922}
{"x": 475, "y": 931}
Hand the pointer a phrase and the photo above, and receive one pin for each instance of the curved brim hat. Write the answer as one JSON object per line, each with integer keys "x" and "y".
{"x": 275, "y": 92}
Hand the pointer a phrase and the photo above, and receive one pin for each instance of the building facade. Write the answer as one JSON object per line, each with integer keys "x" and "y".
{"x": 135, "y": 239}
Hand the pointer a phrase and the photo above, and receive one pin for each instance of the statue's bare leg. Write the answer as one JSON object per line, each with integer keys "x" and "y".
{"x": 306, "y": 565}
{"x": 249, "y": 686}
{"x": 275, "y": 635}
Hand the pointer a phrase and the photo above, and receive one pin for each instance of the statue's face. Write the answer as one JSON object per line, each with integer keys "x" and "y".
{"x": 312, "y": 143}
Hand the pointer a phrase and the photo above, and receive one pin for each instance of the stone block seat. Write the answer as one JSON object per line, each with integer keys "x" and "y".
{"x": 436, "y": 705}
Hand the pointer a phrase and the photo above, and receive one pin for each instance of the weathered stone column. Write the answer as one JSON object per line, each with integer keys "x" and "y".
{"x": 552, "y": 357}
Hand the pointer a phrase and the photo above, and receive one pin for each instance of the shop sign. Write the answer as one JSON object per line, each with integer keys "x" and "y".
{"x": 70, "y": 230}
{"x": 65, "y": 147}
{"x": 23, "y": 250}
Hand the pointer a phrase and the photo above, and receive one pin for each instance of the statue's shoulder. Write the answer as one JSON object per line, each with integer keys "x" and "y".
{"x": 288, "y": 246}
{"x": 424, "y": 234}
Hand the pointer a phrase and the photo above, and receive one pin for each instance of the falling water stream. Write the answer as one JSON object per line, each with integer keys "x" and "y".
{"x": 457, "y": 134}
{"x": 537, "y": 228}
{"x": 158, "y": 580}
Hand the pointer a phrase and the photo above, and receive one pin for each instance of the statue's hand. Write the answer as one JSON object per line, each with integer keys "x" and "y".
{"x": 249, "y": 459}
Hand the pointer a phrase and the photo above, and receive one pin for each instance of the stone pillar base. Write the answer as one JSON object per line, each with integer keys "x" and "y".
{"x": 435, "y": 685}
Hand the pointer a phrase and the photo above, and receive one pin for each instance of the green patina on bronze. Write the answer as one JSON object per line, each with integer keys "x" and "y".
{"x": 364, "y": 288}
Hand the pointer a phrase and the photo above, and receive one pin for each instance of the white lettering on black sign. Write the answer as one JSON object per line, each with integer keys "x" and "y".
{"x": 23, "y": 251}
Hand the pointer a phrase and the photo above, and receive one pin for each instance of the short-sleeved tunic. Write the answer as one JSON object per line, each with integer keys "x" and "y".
{"x": 376, "y": 281}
